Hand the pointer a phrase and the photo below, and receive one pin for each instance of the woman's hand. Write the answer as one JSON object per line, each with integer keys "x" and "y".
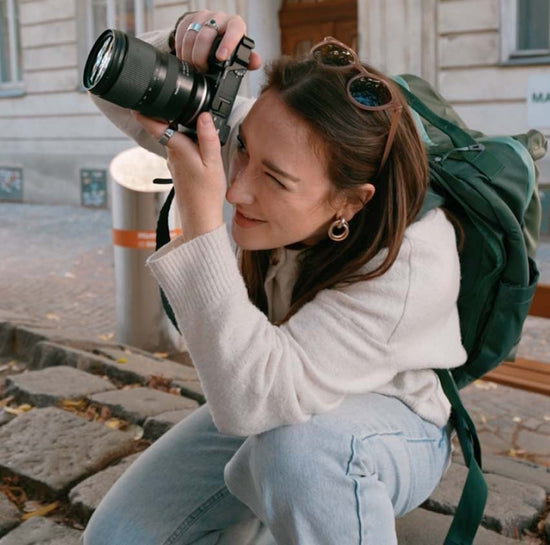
{"x": 197, "y": 168}
{"x": 193, "y": 47}
{"x": 197, "y": 172}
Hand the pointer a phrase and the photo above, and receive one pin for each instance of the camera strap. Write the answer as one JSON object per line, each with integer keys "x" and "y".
{"x": 162, "y": 238}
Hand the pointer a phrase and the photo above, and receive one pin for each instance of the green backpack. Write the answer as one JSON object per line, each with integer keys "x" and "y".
{"x": 490, "y": 186}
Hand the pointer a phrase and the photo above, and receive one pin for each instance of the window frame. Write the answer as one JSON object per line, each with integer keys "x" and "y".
{"x": 14, "y": 86}
{"x": 510, "y": 54}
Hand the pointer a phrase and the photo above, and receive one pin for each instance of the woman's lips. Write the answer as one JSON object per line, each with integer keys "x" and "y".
{"x": 243, "y": 221}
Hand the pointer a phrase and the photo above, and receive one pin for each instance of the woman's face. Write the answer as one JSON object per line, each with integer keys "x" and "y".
{"x": 278, "y": 182}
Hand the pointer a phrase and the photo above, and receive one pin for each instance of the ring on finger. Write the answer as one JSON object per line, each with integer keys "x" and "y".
{"x": 211, "y": 23}
{"x": 166, "y": 135}
{"x": 194, "y": 27}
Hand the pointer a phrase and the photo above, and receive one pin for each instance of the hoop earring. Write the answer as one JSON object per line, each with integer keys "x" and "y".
{"x": 338, "y": 230}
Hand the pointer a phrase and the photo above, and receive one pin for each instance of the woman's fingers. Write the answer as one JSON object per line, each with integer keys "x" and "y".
{"x": 179, "y": 144}
{"x": 190, "y": 36}
{"x": 194, "y": 46}
{"x": 180, "y": 32}
{"x": 212, "y": 27}
{"x": 235, "y": 29}
{"x": 209, "y": 142}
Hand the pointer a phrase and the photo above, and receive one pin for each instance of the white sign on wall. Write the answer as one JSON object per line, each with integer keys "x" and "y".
{"x": 538, "y": 101}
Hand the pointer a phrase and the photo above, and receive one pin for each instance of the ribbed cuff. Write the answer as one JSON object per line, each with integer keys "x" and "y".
{"x": 197, "y": 273}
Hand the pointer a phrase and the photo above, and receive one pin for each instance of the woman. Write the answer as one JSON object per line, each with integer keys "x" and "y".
{"x": 315, "y": 348}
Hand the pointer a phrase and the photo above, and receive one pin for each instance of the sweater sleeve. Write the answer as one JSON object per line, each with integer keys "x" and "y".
{"x": 258, "y": 376}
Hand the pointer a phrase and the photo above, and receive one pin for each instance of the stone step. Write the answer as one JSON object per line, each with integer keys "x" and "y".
{"x": 86, "y": 495}
{"x": 51, "y": 449}
{"x": 137, "y": 404}
{"x": 512, "y": 506}
{"x": 155, "y": 426}
{"x": 421, "y": 527}
{"x": 124, "y": 366}
{"x": 41, "y": 531}
{"x": 513, "y": 468}
{"x": 9, "y": 515}
{"x": 49, "y": 386}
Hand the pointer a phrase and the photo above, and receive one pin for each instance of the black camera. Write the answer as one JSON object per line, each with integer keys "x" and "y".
{"x": 133, "y": 74}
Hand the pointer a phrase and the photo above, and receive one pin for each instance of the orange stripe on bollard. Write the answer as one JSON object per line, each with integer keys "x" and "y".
{"x": 143, "y": 240}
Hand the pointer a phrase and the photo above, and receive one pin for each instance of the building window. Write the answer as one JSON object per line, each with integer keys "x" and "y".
{"x": 525, "y": 31}
{"x": 10, "y": 51}
{"x": 95, "y": 16}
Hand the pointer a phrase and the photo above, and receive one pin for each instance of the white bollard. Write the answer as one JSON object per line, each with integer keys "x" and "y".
{"x": 136, "y": 202}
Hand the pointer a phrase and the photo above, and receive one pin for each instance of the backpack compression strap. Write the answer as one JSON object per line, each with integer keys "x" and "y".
{"x": 469, "y": 511}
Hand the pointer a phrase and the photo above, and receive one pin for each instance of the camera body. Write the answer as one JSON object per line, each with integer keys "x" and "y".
{"x": 133, "y": 74}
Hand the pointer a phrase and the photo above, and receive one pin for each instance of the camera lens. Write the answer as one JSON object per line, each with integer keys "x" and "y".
{"x": 102, "y": 60}
{"x": 133, "y": 74}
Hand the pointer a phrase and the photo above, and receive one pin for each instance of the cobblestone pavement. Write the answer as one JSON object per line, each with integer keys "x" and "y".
{"x": 86, "y": 411}
{"x": 56, "y": 265}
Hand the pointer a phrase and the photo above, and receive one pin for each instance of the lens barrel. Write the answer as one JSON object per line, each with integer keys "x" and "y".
{"x": 133, "y": 74}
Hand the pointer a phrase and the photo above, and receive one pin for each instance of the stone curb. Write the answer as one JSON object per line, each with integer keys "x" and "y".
{"x": 41, "y": 531}
{"x": 54, "y": 384}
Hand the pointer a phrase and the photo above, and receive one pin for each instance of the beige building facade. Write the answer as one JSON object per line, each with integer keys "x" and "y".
{"x": 482, "y": 55}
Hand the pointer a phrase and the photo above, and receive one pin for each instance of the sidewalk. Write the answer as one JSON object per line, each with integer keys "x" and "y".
{"x": 57, "y": 323}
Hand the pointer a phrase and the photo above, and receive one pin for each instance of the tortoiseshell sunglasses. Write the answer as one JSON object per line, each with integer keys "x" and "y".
{"x": 366, "y": 90}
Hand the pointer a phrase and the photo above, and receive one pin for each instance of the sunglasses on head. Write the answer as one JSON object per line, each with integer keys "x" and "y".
{"x": 365, "y": 90}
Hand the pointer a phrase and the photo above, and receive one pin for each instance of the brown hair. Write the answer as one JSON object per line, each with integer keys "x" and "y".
{"x": 352, "y": 142}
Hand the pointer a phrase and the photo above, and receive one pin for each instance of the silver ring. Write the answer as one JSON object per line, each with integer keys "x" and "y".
{"x": 194, "y": 26}
{"x": 212, "y": 24}
{"x": 166, "y": 135}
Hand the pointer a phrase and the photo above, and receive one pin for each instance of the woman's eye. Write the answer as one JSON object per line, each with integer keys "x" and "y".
{"x": 276, "y": 181}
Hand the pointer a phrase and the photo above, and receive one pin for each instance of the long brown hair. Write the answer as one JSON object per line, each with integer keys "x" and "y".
{"x": 352, "y": 141}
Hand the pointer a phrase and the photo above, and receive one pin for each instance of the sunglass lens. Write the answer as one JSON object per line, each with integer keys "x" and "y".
{"x": 333, "y": 55}
{"x": 370, "y": 92}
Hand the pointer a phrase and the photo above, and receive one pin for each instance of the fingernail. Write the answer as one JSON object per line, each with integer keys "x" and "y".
{"x": 206, "y": 119}
{"x": 223, "y": 53}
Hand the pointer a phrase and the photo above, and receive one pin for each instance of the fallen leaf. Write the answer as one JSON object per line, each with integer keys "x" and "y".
{"x": 25, "y": 407}
{"x": 106, "y": 336}
{"x": 6, "y": 401}
{"x": 161, "y": 354}
{"x": 13, "y": 410}
{"x": 52, "y": 316}
{"x": 135, "y": 430}
{"x": 113, "y": 423}
{"x": 42, "y": 511}
{"x": 31, "y": 505}
{"x": 76, "y": 403}
{"x": 121, "y": 360}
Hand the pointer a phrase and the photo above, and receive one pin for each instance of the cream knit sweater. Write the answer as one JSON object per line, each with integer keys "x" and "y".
{"x": 383, "y": 335}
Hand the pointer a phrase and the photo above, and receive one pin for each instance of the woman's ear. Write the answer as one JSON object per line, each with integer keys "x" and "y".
{"x": 352, "y": 203}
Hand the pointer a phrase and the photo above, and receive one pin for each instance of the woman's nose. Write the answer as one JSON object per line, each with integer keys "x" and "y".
{"x": 240, "y": 190}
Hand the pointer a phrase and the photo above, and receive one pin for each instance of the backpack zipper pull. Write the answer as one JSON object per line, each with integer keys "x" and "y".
{"x": 473, "y": 147}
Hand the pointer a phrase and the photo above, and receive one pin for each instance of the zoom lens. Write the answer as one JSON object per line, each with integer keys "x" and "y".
{"x": 133, "y": 74}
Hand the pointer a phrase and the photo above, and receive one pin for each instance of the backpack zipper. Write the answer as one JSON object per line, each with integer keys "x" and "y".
{"x": 472, "y": 147}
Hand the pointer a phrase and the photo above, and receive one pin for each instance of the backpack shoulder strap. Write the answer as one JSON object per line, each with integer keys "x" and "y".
{"x": 469, "y": 511}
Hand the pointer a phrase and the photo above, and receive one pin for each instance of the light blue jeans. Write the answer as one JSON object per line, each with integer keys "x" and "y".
{"x": 342, "y": 477}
